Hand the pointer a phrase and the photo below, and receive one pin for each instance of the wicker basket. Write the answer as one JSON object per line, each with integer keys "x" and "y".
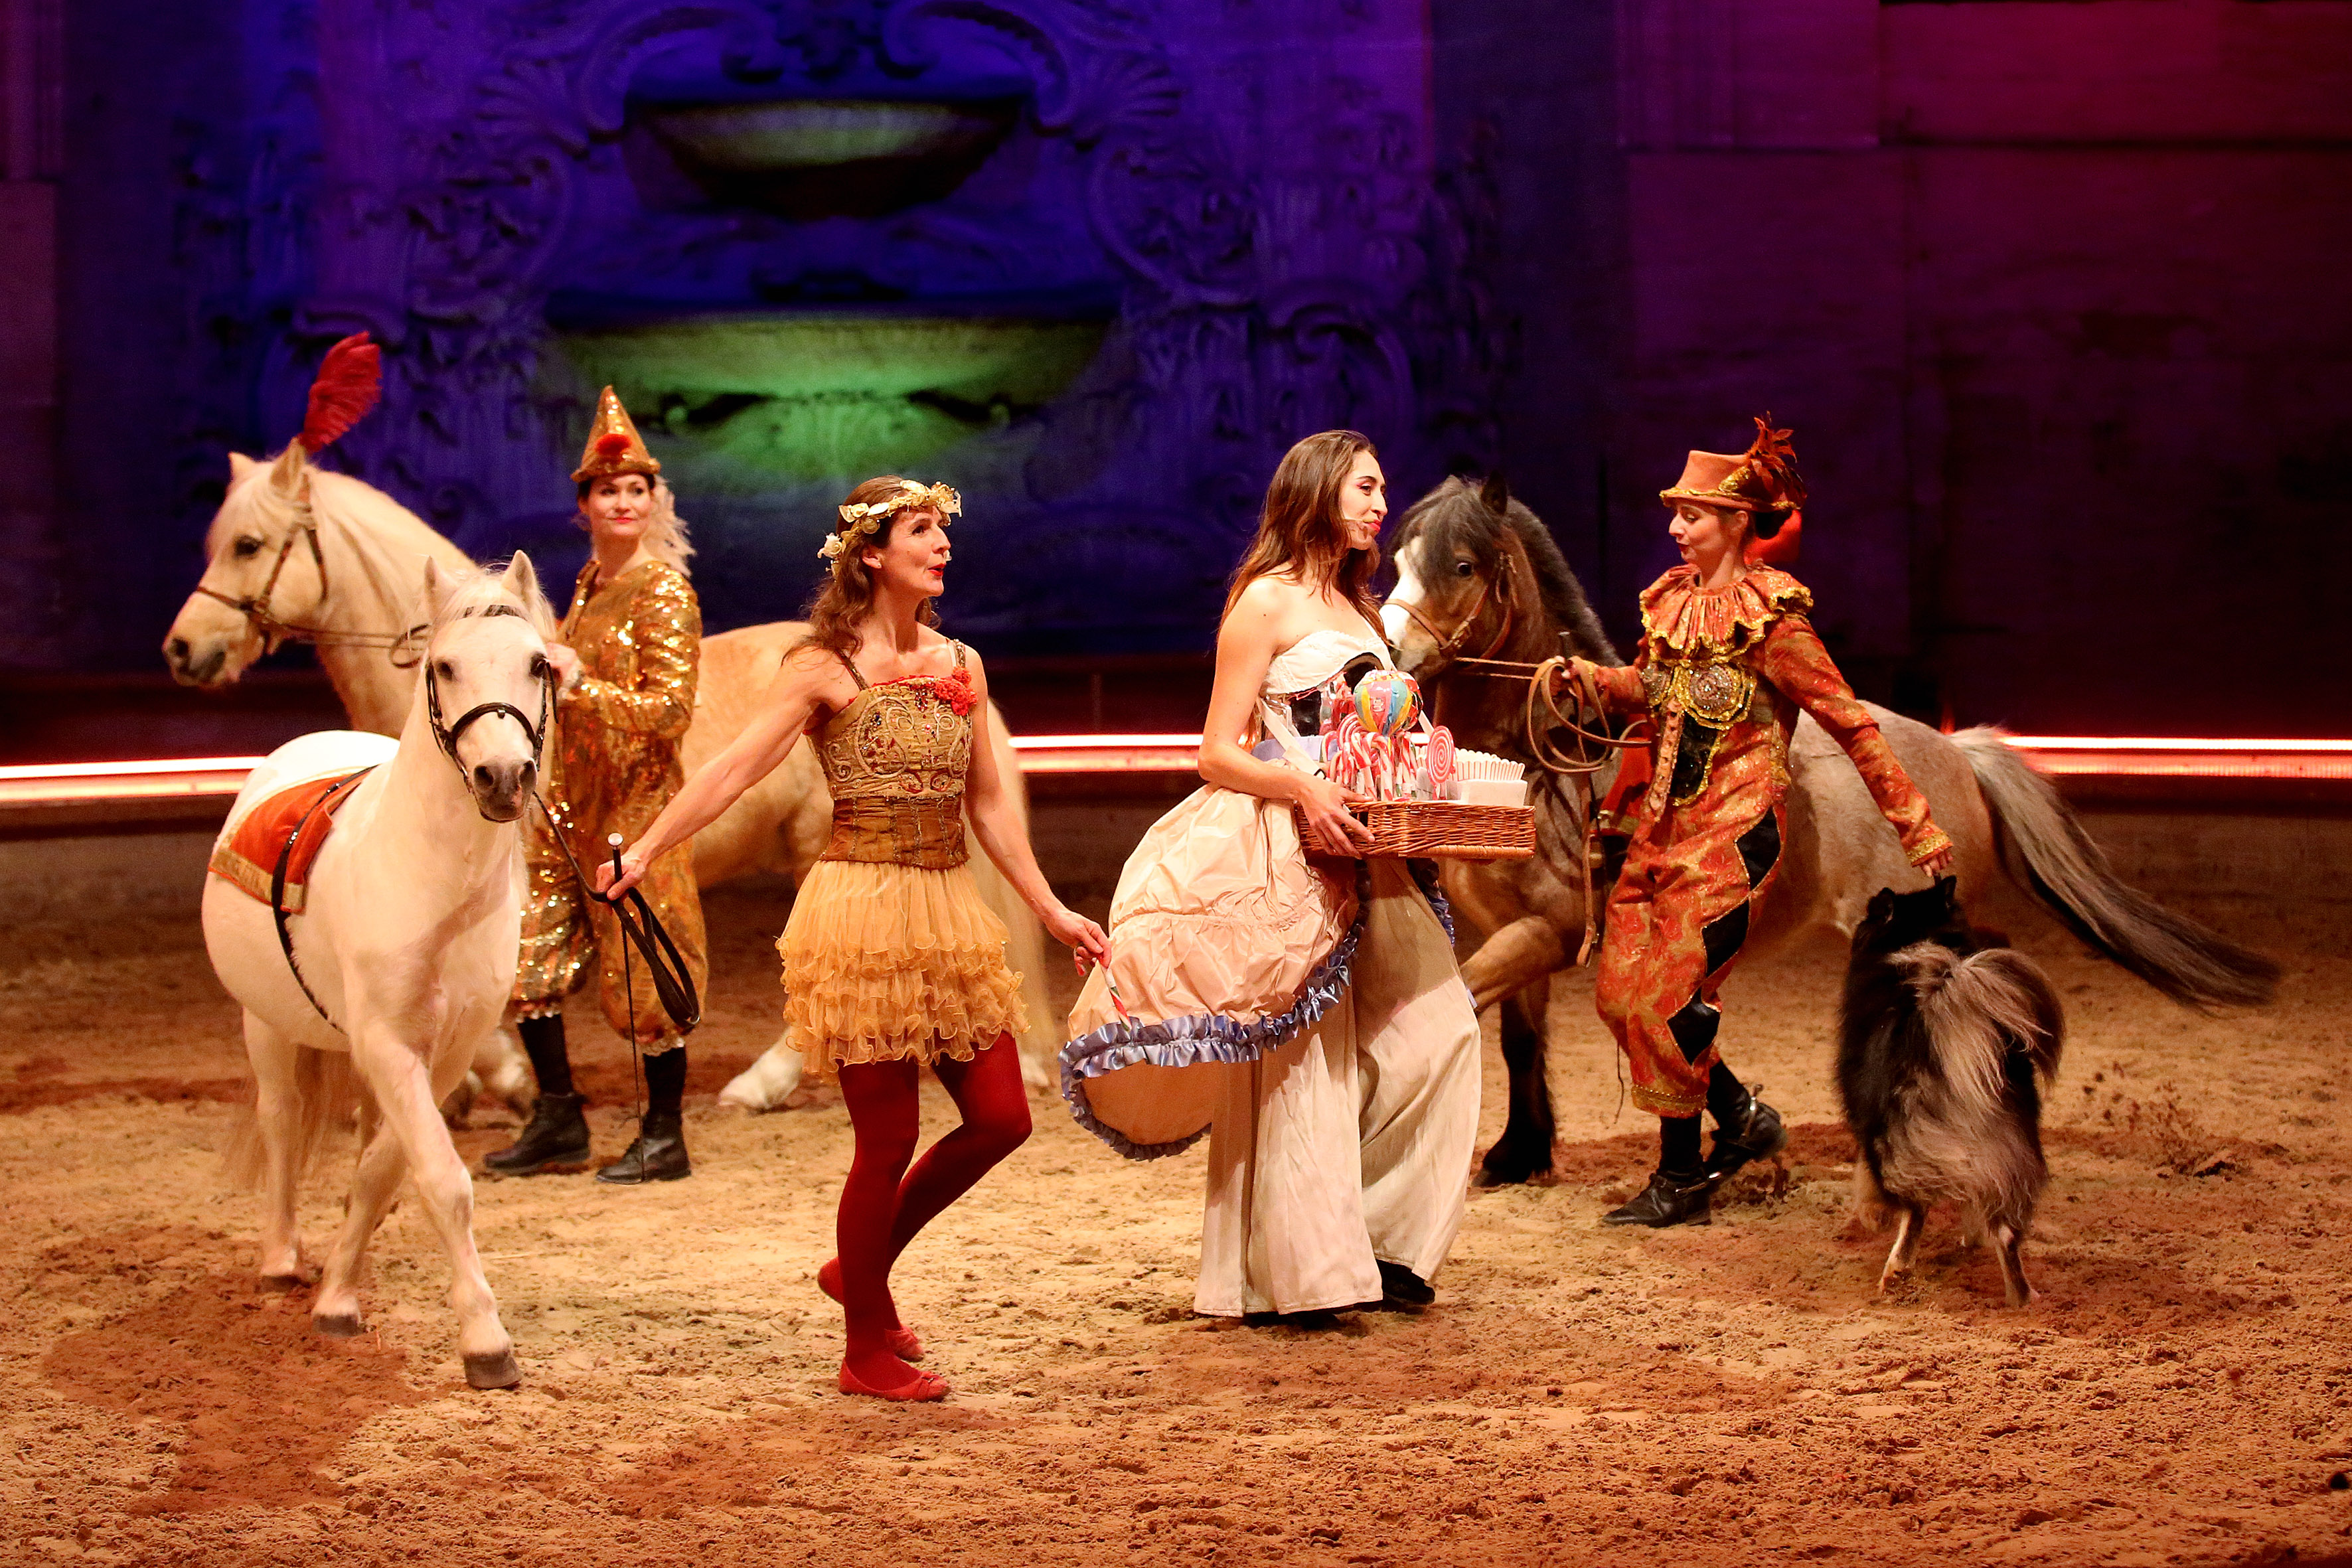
{"x": 1444, "y": 830}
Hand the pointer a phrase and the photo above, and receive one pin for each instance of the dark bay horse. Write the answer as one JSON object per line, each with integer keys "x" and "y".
{"x": 1479, "y": 577}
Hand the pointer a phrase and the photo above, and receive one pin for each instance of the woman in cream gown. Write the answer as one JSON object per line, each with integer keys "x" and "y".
{"x": 1306, "y": 1013}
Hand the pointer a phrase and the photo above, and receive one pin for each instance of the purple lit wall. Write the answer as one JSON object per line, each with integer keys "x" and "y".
{"x": 2051, "y": 292}
{"x": 1147, "y": 244}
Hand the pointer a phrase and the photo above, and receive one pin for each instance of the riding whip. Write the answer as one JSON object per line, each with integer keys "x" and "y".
{"x": 641, "y": 928}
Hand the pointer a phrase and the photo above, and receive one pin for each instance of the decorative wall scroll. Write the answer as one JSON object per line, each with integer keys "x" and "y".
{"x": 1251, "y": 196}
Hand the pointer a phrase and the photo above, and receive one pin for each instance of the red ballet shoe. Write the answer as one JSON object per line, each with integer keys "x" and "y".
{"x": 918, "y": 1389}
{"x": 903, "y": 1342}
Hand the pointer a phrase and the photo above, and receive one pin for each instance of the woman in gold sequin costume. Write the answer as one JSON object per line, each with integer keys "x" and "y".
{"x": 627, "y": 662}
{"x": 1728, "y": 656}
{"x": 891, "y": 960}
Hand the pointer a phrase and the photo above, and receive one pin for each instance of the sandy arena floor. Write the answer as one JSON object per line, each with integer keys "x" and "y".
{"x": 1698, "y": 1396}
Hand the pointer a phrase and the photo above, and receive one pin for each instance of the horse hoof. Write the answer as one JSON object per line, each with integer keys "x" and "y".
{"x": 497, "y": 1370}
{"x": 1512, "y": 1172}
{"x": 339, "y": 1325}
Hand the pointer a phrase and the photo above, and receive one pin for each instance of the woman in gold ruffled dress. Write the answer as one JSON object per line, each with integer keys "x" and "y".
{"x": 891, "y": 960}
{"x": 626, "y": 661}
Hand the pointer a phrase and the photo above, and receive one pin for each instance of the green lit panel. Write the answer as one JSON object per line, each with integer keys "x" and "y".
{"x": 808, "y": 397}
{"x": 756, "y": 137}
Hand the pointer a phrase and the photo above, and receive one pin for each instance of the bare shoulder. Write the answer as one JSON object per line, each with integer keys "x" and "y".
{"x": 812, "y": 669}
{"x": 1264, "y": 607}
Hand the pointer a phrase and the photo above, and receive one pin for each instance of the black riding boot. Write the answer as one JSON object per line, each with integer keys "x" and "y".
{"x": 1745, "y": 1129}
{"x": 557, "y": 1136}
{"x": 1679, "y": 1188}
{"x": 556, "y": 1140}
{"x": 657, "y": 1154}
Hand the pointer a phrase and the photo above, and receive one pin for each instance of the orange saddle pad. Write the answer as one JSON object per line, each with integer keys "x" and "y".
{"x": 250, "y": 855}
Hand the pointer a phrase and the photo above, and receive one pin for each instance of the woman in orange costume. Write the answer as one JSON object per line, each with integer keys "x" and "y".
{"x": 1728, "y": 658}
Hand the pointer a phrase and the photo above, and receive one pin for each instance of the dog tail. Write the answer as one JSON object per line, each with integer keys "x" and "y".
{"x": 1988, "y": 1005}
{"x": 1979, "y": 1012}
{"x": 2046, "y": 851}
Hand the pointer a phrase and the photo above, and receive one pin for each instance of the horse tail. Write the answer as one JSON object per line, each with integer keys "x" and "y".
{"x": 2045, "y": 850}
{"x": 329, "y": 1099}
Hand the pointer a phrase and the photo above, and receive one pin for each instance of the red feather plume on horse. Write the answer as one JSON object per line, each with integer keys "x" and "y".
{"x": 349, "y": 380}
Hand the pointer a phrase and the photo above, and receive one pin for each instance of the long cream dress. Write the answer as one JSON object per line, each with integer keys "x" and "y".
{"x": 1309, "y": 1016}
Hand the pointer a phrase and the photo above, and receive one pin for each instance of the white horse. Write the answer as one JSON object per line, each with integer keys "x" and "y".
{"x": 403, "y": 955}
{"x": 342, "y": 570}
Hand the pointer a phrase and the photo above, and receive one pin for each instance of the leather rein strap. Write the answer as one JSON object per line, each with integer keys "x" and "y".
{"x": 644, "y": 931}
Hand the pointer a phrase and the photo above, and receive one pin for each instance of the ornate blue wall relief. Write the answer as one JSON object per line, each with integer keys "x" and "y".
{"x": 1095, "y": 262}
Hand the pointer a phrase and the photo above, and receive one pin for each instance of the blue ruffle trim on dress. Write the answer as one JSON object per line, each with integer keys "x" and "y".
{"x": 1200, "y": 1038}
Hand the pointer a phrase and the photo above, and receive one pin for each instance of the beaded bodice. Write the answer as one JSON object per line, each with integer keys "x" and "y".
{"x": 901, "y": 740}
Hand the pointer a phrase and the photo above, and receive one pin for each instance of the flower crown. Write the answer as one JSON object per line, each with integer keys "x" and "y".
{"x": 866, "y": 517}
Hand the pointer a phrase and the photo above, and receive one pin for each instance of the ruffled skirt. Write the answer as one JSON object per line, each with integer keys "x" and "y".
{"x": 883, "y": 962}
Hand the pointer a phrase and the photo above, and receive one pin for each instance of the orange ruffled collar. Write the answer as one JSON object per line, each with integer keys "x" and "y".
{"x": 1680, "y": 617}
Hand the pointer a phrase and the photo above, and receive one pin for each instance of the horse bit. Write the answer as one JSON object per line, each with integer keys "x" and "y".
{"x": 255, "y": 608}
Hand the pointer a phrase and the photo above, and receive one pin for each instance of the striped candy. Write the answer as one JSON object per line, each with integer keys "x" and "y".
{"x": 1442, "y": 766}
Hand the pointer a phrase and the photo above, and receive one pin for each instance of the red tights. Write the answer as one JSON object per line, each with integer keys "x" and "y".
{"x": 884, "y": 1204}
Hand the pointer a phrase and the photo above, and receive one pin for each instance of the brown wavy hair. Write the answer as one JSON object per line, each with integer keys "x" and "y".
{"x": 1298, "y": 532}
{"x": 847, "y": 592}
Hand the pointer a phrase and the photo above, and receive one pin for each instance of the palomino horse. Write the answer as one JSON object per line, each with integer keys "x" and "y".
{"x": 1479, "y": 577}
{"x": 341, "y": 568}
{"x": 374, "y": 995}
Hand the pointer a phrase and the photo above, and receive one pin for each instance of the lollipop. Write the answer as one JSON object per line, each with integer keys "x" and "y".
{"x": 1441, "y": 762}
{"x": 1388, "y": 701}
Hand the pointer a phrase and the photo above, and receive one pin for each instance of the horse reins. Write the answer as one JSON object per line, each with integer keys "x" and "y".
{"x": 255, "y": 608}
{"x": 1542, "y": 717}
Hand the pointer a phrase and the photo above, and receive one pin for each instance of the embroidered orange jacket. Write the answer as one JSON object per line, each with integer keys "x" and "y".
{"x": 1721, "y": 673}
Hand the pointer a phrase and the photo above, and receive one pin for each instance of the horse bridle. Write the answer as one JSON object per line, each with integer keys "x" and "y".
{"x": 447, "y": 735}
{"x": 255, "y": 608}
{"x": 1448, "y": 643}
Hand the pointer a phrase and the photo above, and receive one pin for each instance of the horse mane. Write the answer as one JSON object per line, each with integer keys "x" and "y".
{"x": 391, "y": 541}
{"x": 476, "y": 591}
{"x": 1454, "y": 508}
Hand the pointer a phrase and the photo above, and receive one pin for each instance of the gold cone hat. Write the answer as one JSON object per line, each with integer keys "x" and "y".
{"x": 614, "y": 445}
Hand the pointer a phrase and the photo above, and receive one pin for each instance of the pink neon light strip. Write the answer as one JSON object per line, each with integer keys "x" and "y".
{"x": 49, "y": 784}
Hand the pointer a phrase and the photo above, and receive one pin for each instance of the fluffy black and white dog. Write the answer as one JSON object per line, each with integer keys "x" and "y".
{"x": 1944, "y": 1046}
